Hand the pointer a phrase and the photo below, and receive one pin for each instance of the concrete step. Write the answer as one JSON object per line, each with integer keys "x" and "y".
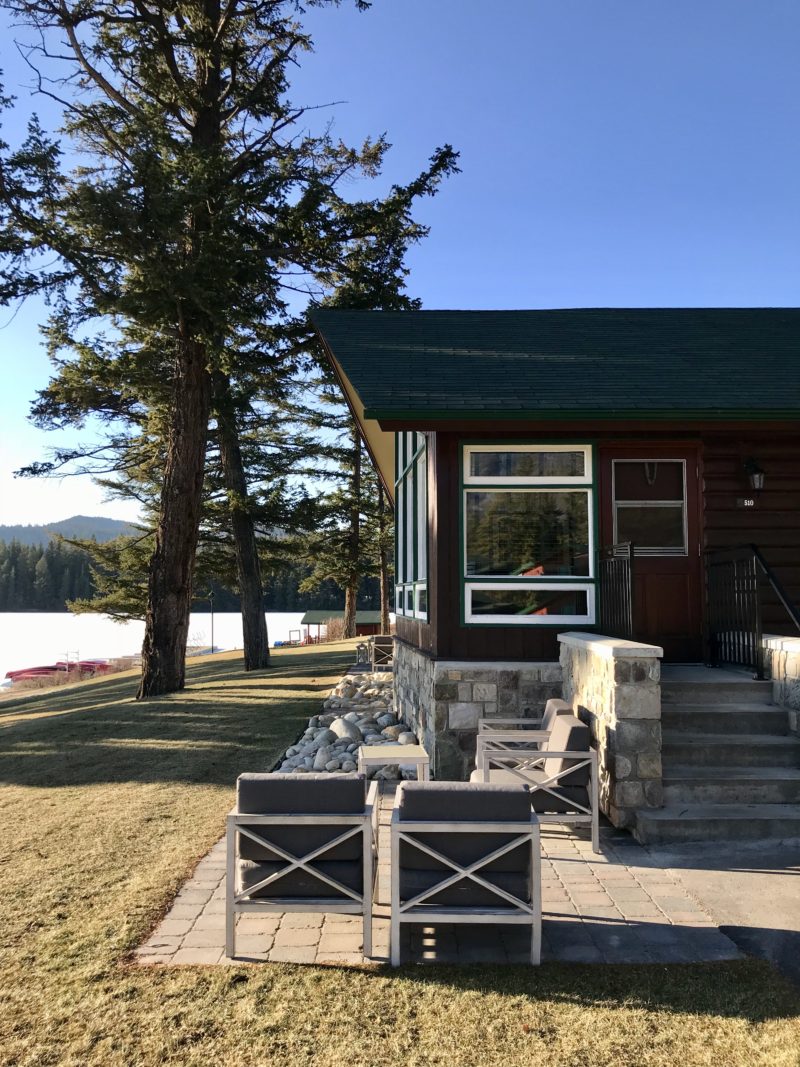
{"x": 731, "y": 785}
{"x": 682, "y": 748}
{"x": 717, "y": 822}
{"x": 726, "y": 718}
{"x": 716, "y": 692}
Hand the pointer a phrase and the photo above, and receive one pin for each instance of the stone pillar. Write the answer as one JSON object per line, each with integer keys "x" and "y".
{"x": 782, "y": 661}
{"x": 614, "y": 686}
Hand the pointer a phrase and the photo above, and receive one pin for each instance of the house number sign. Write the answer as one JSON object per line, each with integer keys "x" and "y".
{"x": 745, "y": 502}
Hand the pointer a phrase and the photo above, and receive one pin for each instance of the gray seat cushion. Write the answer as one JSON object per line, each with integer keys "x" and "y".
{"x": 542, "y": 801}
{"x": 464, "y": 893}
{"x": 300, "y": 883}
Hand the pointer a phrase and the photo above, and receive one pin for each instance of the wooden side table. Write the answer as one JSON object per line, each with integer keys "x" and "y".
{"x": 380, "y": 755}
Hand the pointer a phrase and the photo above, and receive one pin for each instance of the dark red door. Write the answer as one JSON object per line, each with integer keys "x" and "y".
{"x": 649, "y": 496}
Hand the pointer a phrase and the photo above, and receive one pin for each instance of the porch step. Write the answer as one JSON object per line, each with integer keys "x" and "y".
{"x": 682, "y": 748}
{"x": 731, "y": 785}
{"x": 717, "y": 822}
{"x": 730, "y": 719}
{"x": 716, "y": 692}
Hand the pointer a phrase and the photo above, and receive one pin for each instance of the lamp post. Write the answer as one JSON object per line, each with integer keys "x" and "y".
{"x": 211, "y": 605}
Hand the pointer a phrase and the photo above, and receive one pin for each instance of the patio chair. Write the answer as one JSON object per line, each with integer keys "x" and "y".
{"x": 300, "y": 843}
{"x": 464, "y": 853}
{"x": 382, "y": 647}
{"x": 505, "y": 735}
{"x": 561, "y": 774}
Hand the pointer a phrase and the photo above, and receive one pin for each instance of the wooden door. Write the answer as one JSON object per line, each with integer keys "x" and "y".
{"x": 649, "y": 496}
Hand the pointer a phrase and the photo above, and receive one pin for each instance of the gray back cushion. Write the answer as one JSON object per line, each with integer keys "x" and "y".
{"x": 555, "y": 706}
{"x": 299, "y": 794}
{"x": 464, "y": 802}
{"x": 569, "y": 734}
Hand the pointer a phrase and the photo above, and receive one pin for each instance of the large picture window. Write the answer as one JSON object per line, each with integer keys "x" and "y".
{"x": 528, "y": 521}
{"x": 411, "y": 525}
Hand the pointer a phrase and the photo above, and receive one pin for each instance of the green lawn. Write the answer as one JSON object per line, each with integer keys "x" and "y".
{"x": 105, "y": 806}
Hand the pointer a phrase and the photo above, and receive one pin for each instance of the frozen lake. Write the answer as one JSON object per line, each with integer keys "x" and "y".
{"x": 28, "y": 639}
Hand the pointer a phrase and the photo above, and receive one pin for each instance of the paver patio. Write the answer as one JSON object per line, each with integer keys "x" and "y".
{"x": 618, "y": 907}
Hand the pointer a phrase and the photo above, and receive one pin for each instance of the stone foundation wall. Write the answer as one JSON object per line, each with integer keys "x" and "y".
{"x": 782, "y": 661}
{"x": 443, "y": 700}
{"x": 614, "y": 686}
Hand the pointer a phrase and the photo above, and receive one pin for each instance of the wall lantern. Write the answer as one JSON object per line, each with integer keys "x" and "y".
{"x": 755, "y": 474}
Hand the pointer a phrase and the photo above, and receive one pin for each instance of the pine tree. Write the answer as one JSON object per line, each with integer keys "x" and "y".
{"x": 197, "y": 189}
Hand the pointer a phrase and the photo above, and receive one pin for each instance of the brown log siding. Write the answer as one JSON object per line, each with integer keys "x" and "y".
{"x": 773, "y": 525}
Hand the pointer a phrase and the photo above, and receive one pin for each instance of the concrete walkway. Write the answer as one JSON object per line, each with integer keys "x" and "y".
{"x": 618, "y": 907}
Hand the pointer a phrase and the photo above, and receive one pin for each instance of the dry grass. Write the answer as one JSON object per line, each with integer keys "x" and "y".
{"x": 105, "y": 806}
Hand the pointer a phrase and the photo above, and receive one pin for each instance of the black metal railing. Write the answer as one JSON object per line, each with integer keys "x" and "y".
{"x": 616, "y": 573}
{"x": 736, "y": 581}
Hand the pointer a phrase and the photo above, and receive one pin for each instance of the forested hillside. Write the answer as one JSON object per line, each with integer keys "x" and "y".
{"x": 86, "y": 526}
{"x": 38, "y": 578}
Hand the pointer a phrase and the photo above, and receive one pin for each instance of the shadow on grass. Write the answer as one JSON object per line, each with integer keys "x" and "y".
{"x": 223, "y": 722}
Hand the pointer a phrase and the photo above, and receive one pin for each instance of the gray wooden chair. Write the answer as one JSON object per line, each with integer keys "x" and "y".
{"x": 464, "y": 853}
{"x": 506, "y": 735}
{"x": 300, "y": 843}
{"x": 382, "y": 648}
{"x": 561, "y": 773}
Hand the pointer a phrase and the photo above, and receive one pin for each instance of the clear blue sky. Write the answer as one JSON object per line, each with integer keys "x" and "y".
{"x": 613, "y": 153}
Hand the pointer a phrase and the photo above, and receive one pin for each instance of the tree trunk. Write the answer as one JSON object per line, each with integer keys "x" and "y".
{"x": 353, "y": 540}
{"x": 248, "y": 567}
{"x": 383, "y": 560}
{"x": 169, "y": 584}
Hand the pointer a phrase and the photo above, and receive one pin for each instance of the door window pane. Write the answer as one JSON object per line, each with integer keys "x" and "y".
{"x": 514, "y": 601}
{"x": 652, "y": 526}
{"x": 527, "y": 534}
{"x": 648, "y": 479}
{"x": 527, "y": 464}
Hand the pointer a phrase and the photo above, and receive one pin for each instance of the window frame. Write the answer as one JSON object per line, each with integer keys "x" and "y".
{"x": 531, "y": 620}
{"x": 411, "y": 573}
{"x": 580, "y": 583}
{"x": 655, "y": 550}
{"x": 522, "y": 479}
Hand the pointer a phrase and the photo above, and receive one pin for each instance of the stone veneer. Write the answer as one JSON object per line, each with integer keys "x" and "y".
{"x": 443, "y": 700}
{"x": 614, "y": 685}
{"x": 782, "y": 663}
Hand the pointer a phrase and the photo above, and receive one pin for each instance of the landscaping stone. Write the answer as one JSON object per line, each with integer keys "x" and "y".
{"x": 358, "y": 711}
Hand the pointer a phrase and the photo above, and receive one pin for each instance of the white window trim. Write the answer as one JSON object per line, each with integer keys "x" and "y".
{"x": 531, "y": 489}
{"x": 531, "y": 620}
{"x": 575, "y": 479}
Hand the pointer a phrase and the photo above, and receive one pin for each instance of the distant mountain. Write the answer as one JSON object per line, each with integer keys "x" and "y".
{"x": 78, "y": 526}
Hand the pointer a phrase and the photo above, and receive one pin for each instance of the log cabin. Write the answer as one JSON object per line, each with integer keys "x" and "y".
{"x": 565, "y": 478}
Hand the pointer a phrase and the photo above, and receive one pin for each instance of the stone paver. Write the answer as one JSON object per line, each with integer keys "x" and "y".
{"x": 620, "y": 907}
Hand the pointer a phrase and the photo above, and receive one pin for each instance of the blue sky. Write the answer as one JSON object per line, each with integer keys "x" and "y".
{"x": 613, "y": 153}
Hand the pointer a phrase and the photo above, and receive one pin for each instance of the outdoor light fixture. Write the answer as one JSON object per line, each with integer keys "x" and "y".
{"x": 755, "y": 474}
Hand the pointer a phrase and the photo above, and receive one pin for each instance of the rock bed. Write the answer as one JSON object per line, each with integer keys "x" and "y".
{"x": 358, "y": 711}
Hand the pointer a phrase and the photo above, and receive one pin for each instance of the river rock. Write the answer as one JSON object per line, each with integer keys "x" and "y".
{"x": 343, "y": 728}
{"x": 348, "y": 766}
{"x": 322, "y": 757}
{"x": 407, "y": 738}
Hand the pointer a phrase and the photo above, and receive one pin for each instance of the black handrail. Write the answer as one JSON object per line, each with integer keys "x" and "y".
{"x": 616, "y": 565}
{"x": 734, "y": 586}
{"x": 777, "y": 586}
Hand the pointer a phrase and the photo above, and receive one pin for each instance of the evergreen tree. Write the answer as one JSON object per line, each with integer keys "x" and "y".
{"x": 197, "y": 190}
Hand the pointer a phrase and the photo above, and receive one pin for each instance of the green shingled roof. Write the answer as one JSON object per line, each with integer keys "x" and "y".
{"x": 591, "y": 362}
